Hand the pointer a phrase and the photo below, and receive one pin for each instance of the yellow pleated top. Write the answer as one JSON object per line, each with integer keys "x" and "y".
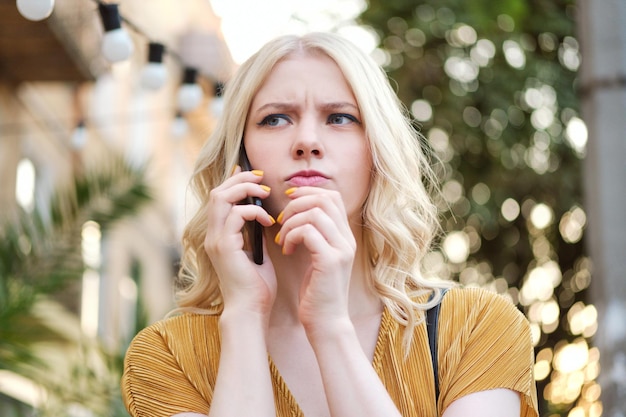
{"x": 484, "y": 343}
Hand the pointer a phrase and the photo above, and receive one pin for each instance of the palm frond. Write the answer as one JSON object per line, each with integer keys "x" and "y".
{"x": 40, "y": 253}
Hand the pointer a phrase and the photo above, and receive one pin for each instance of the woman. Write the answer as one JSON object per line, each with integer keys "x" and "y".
{"x": 338, "y": 300}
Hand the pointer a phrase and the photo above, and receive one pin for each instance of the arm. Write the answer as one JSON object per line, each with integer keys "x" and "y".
{"x": 492, "y": 403}
{"x": 351, "y": 384}
{"x": 486, "y": 356}
{"x": 243, "y": 386}
{"x": 316, "y": 219}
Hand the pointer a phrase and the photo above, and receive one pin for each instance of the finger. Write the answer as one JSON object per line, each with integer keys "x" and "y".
{"x": 226, "y": 234}
{"x": 238, "y": 176}
{"x": 302, "y": 200}
{"x": 226, "y": 195}
{"x": 316, "y": 222}
{"x": 315, "y": 216}
{"x": 307, "y": 235}
{"x": 313, "y": 209}
{"x": 240, "y": 214}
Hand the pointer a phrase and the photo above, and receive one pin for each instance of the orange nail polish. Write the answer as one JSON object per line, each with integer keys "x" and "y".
{"x": 277, "y": 238}
{"x": 279, "y": 219}
{"x": 291, "y": 190}
{"x": 257, "y": 172}
{"x": 272, "y": 219}
{"x": 266, "y": 188}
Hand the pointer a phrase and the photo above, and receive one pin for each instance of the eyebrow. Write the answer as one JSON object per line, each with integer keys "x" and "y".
{"x": 331, "y": 106}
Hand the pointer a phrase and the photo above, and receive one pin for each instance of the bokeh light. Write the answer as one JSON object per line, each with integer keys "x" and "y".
{"x": 510, "y": 209}
{"x": 456, "y": 246}
{"x": 514, "y": 54}
{"x": 541, "y": 216}
{"x": 499, "y": 111}
{"x": 576, "y": 135}
{"x": 422, "y": 110}
{"x": 25, "y": 184}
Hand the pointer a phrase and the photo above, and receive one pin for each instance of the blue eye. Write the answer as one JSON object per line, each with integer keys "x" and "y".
{"x": 342, "y": 119}
{"x": 274, "y": 120}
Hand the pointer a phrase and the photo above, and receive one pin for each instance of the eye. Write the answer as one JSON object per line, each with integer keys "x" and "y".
{"x": 342, "y": 119}
{"x": 275, "y": 120}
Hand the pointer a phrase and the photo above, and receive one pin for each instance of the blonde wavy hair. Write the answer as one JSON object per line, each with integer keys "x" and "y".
{"x": 400, "y": 219}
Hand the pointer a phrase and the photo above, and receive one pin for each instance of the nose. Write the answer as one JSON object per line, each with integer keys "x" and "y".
{"x": 307, "y": 143}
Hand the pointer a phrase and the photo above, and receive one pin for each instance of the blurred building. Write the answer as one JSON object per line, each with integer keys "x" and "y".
{"x": 62, "y": 104}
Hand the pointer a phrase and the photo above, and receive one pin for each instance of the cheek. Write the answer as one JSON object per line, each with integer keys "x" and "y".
{"x": 266, "y": 151}
{"x": 360, "y": 178}
{"x": 363, "y": 165}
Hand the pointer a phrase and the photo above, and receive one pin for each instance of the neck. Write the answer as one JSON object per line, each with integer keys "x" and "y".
{"x": 290, "y": 272}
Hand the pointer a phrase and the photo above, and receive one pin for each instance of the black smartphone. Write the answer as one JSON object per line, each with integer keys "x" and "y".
{"x": 255, "y": 230}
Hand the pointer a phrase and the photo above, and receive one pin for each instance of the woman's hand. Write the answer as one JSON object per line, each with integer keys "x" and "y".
{"x": 245, "y": 286}
{"x": 316, "y": 219}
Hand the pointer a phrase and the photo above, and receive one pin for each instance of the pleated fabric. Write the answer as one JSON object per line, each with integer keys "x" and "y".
{"x": 484, "y": 343}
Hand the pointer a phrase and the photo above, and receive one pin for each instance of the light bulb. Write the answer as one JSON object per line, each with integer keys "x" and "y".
{"x": 79, "y": 136}
{"x": 189, "y": 93}
{"x": 35, "y": 9}
{"x": 217, "y": 107}
{"x": 189, "y": 97}
{"x": 154, "y": 74}
{"x": 116, "y": 43}
{"x": 217, "y": 104}
{"x": 179, "y": 127}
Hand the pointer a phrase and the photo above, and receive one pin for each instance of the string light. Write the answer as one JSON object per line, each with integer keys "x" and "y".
{"x": 154, "y": 74}
{"x": 116, "y": 43}
{"x": 117, "y": 46}
{"x": 189, "y": 93}
{"x": 79, "y": 136}
{"x": 217, "y": 104}
{"x": 179, "y": 127}
{"x": 35, "y": 10}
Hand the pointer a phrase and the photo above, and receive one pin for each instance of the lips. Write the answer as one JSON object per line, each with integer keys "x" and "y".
{"x": 307, "y": 178}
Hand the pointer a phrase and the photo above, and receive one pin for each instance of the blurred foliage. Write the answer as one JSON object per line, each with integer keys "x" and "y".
{"x": 40, "y": 258}
{"x": 492, "y": 86}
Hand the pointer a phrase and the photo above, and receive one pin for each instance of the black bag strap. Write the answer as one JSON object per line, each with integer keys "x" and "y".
{"x": 432, "y": 322}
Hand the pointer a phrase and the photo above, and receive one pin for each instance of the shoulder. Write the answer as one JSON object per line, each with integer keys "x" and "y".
{"x": 463, "y": 306}
{"x": 174, "y": 339}
{"x": 177, "y": 329}
{"x": 179, "y": 354}
{"x": 484, "y": 343}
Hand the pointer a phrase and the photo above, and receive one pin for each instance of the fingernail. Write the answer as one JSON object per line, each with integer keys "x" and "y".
{"x": 279, "y": 219}
{"x": 272, "y": 219}
{"x": 277, "y": 238}
{"x": 257, "y": 172}
{"x": 291, "y": 190}
{"x": 265, "y": 188}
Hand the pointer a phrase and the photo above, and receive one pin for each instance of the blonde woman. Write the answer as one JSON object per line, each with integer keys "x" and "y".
{"x": 331, "y": 320}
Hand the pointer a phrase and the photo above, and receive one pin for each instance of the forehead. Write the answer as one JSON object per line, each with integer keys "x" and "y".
{"x": 302, "y": 70}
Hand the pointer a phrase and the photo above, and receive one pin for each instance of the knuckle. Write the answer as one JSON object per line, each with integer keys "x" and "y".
{"x": 317, "y": 212}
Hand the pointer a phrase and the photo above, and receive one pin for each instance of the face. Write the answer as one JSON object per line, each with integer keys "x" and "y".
{"x": 304, "y": 128}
